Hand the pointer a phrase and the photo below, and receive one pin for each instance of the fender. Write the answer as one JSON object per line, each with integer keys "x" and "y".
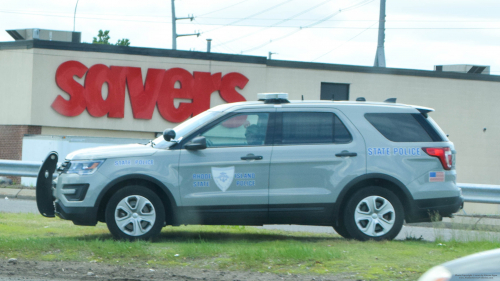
{"x": 112, "y": 183}
{"x": 353, "y": 185}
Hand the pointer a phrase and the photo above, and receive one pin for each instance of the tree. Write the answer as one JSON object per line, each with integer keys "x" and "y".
{"x": 123, "y": 42}
{"x": 103, "y": 38}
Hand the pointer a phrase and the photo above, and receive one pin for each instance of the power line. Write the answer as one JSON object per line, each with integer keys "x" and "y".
{"x": 345, "y": 42}
{"x": 253, "y": 15}
{"x": 223, "y": 8}
{"x": 357, "y": 5}
{"x": 278, "y": 23}
{"x": 247, "y": 25}
{"x": 345, "y": 27}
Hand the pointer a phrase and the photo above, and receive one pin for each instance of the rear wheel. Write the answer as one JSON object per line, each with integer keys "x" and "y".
{"x": 135, "y": 213}
{"x": 374, "y": 213}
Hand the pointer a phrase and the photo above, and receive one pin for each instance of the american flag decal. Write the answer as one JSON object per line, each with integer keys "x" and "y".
{"x": 436, "y": 176}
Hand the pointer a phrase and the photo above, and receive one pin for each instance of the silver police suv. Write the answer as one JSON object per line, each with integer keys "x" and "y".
{"x": 361, "y": 167}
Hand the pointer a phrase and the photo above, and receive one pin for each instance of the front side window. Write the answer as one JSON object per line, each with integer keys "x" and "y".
{"x": 312, "y": 128}
{"x": 245, "y": 129}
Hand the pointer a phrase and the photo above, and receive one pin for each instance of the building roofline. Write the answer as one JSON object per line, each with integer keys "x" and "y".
{"x": 155, "y": 52}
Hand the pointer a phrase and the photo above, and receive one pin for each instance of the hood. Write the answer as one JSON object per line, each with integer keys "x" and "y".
{"x": 118, "y": 151}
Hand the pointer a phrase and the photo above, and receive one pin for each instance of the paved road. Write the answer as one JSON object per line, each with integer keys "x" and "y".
{"x": 17, "y": 206}
{"x": 413, "y": 231}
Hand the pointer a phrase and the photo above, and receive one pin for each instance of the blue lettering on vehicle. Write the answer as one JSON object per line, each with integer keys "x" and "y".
{"x": 205, "y": 176}
{"x": 244, "y": 176}
{"x": 201, "y": 184}
{"x": 122, "y": 162}
{"x": 396, "y": 151}
{"x": 144, "y": 162}
{"x": 407, "y": 151}
{"x": 379, "y": 151}
{"x": 245, "y": 183}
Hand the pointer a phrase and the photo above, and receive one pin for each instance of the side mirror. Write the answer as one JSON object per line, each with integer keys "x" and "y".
{"x": 196, "y": 144}
{"x": 168, "y": 134}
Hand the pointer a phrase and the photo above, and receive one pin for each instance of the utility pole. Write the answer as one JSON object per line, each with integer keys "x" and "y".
{"x": 174, "y": 28}
{"x": 380, "y": 55}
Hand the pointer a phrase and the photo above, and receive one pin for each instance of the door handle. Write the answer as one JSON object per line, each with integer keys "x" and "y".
{"x": 250, "y": 156}
{"x": 346, "y": 154}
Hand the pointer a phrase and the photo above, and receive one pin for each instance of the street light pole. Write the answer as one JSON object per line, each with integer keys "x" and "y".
{"x": 74, "y": 16}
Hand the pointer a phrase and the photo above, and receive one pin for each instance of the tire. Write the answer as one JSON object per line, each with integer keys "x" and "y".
{"x": 374, "y": 213}
{"x": 135, "y": 213}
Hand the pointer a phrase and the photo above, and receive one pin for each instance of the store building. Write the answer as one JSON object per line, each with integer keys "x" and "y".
{"x": 57, "y": 88}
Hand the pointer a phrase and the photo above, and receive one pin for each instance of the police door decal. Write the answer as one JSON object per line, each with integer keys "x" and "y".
{"x": 223, "y": 177}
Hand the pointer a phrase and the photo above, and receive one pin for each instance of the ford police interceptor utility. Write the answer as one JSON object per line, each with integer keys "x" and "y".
{"x": 361, "y": 167}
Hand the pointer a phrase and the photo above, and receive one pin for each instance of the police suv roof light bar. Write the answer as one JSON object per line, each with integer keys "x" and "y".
{"x": 274, "y": 98}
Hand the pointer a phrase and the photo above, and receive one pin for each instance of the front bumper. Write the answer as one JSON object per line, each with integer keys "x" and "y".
{"x": 79, "y": 215}
{"x": 426, "y": 210}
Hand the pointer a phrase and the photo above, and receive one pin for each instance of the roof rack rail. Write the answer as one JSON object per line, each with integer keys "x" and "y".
{"x": 390, "y": 100}
{"x": 273, "y": 98}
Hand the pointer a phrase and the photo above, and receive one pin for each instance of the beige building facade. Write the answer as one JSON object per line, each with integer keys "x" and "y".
{"x": 112, "y": 91}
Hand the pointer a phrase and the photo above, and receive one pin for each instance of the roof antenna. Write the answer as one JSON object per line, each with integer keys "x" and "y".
{"x": 333, "y": 97}
{"x": 390, "y": 100}
{"x": 302, "y": 97}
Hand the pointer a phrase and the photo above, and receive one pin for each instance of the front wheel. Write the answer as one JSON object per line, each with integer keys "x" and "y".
{"x": 374, "y": 213}
{"x": 135, "y": 213}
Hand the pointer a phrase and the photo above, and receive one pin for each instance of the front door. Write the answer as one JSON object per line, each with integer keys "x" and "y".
{"x": 228, "y": 181}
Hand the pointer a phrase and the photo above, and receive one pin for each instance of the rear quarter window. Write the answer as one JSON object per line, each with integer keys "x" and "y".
{"x": 403, "y": 127}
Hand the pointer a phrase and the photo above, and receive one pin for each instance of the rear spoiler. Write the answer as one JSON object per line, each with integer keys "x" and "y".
{"x": 424, "y": 110}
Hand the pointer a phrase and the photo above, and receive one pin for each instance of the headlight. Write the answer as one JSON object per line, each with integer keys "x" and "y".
{"x": 85, "y": 167}
{"x": 437, "y": 273}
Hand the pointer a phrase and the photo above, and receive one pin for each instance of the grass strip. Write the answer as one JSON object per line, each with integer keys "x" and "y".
{"x": 33, "y": 237}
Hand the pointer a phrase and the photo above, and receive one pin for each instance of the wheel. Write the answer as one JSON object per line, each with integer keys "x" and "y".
{"x": 374, "y": 213}
{"x": 135, "y": 213}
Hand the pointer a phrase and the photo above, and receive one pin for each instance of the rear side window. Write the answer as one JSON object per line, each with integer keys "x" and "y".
{"x": 403, "y": 127}
{"x": 312, "y": 128}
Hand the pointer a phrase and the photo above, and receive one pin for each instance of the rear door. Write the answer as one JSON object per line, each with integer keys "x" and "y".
{"x": 316, "y": 152}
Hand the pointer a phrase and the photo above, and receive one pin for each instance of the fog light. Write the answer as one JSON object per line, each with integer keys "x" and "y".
{"x": 75, "y": 192}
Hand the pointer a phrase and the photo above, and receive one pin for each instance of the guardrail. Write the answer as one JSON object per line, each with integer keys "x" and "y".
{"x": 480, "y": 193}
{"x": 474, "y": 193}
{"x": 19, "y": 168}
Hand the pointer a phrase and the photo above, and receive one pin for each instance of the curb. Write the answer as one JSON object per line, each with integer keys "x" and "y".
{"x": 18, "y": 193}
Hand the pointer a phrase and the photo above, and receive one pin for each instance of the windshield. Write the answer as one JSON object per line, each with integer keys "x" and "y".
{"x": 185, "y": 127}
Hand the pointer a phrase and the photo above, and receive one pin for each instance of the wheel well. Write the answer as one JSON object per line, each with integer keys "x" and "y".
{"x": 166, "y": 200}
{"x": 384, "y": 183}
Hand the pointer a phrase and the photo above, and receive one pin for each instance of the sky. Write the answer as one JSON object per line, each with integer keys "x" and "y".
{"x": 419, "y": 34}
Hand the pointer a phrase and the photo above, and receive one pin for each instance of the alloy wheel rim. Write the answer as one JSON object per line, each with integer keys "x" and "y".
{"x": 375, "y": 216}
{"x": 135, "y": 215}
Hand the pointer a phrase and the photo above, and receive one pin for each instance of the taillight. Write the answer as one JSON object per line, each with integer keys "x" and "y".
{"x": 443, "y": 153}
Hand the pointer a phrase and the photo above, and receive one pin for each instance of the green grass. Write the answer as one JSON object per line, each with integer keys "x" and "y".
{"x": 33, "y": 237}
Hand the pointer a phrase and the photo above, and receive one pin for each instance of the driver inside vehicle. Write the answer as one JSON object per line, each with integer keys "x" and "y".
{"x": 254, "y": 136}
